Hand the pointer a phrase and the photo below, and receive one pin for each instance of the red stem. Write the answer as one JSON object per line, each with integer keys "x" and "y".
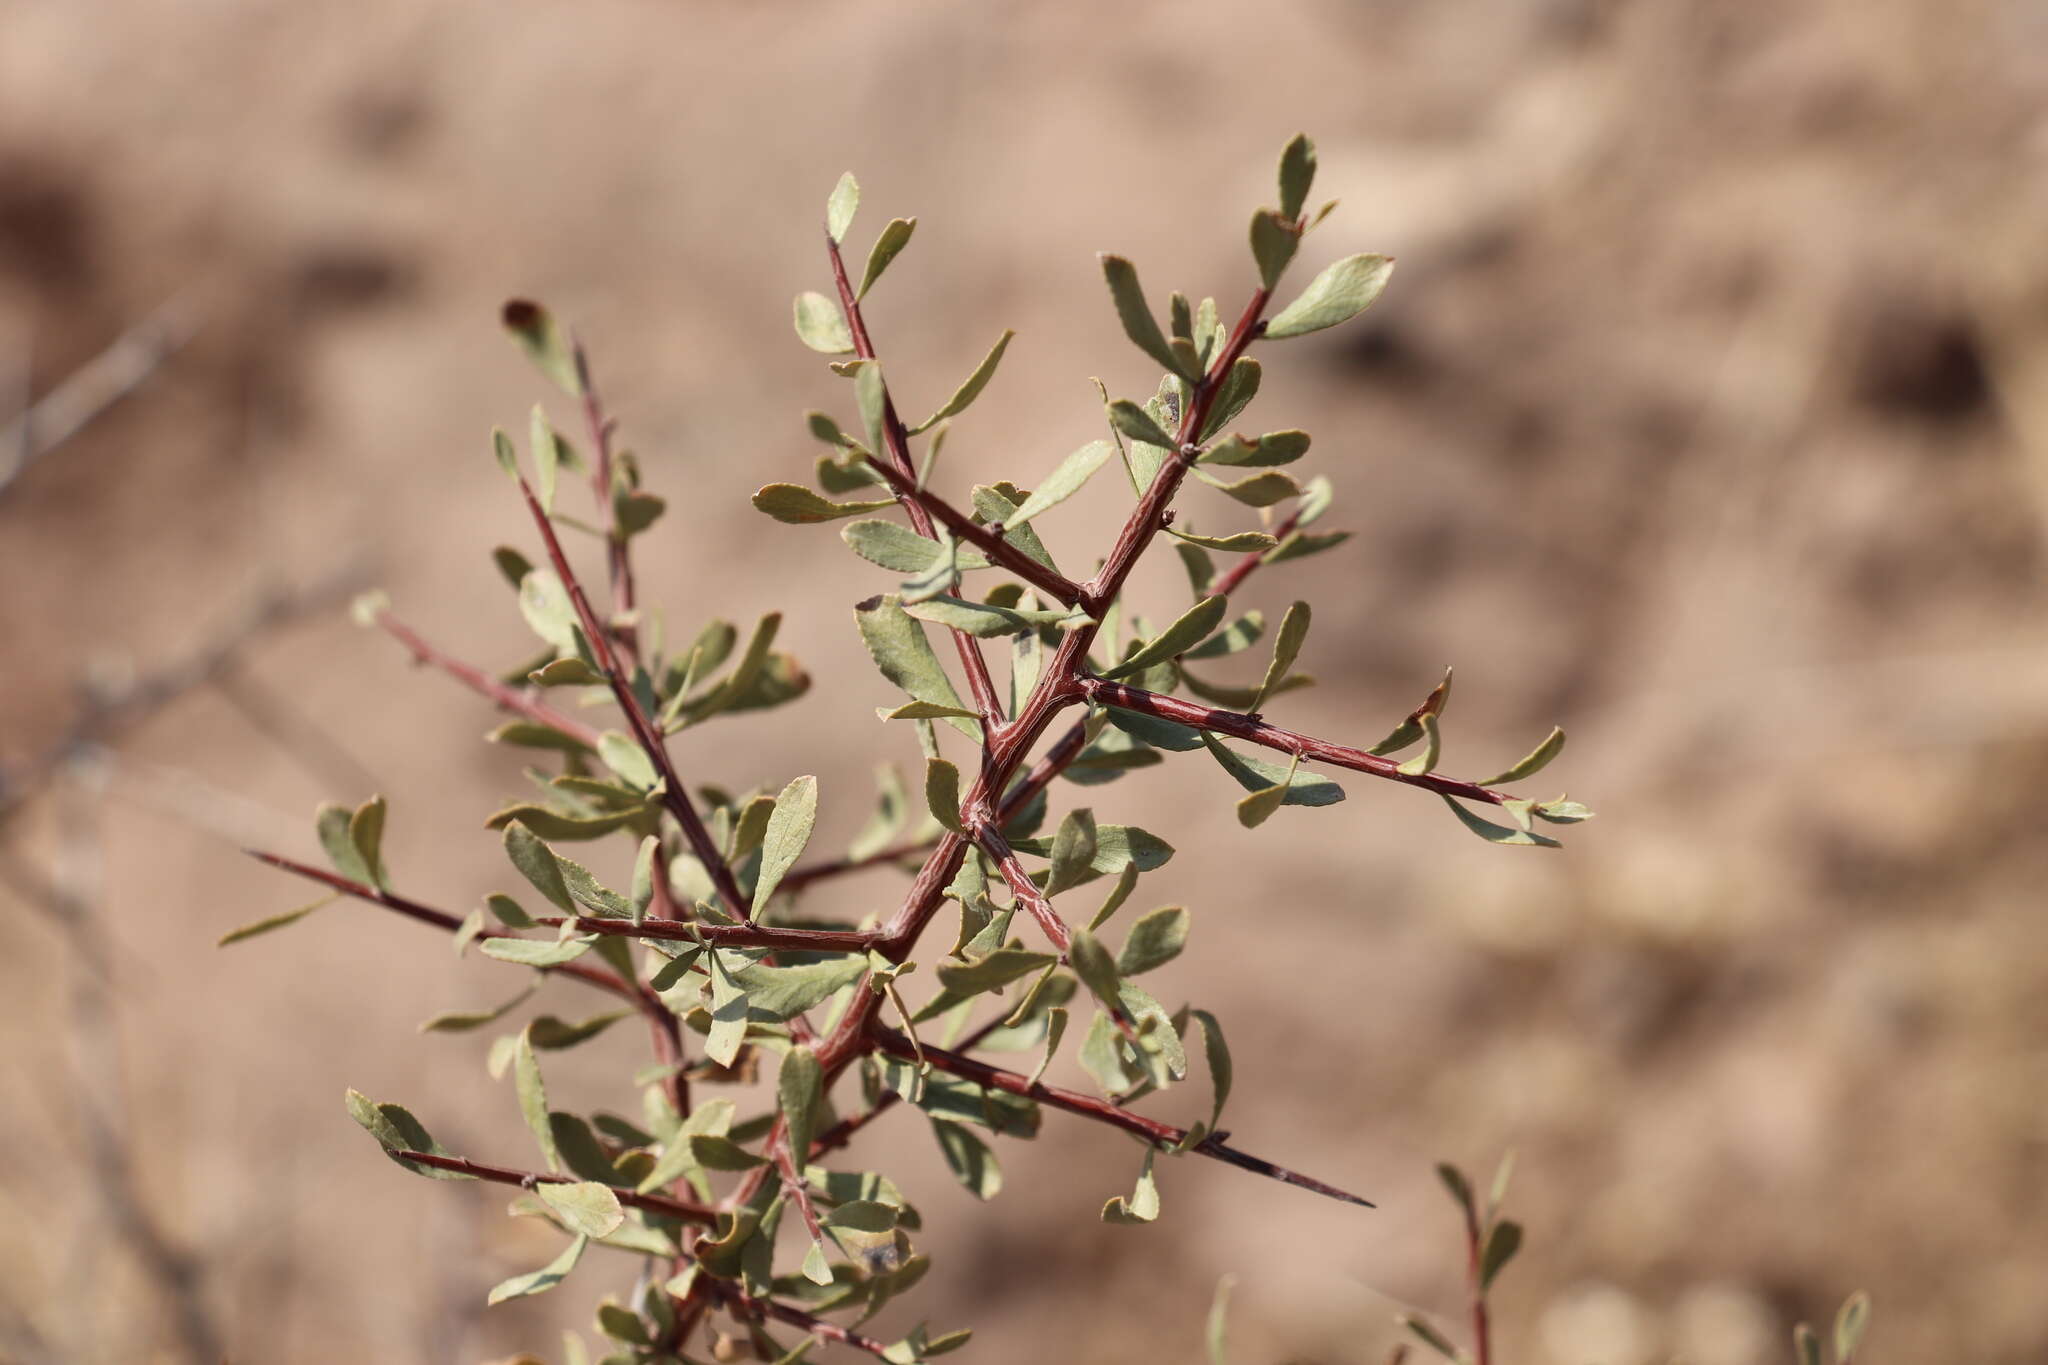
{"x": 1254, "y": 730}
{"x": 683, "y": 1209}
{"x": 508, "y": 698}
{"x": 979, "y": 684}
{"x": 675, "y": 797}
{"x": 1102, "y": 1111}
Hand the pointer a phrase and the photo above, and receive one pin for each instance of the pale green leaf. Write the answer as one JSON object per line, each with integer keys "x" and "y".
{"x": 820, "y": 325}
{"x": 785, "y": 992}
{"x": 1064, "y": 481}
{"x": 970, "y": 390}
{"x": 1297, "y": 174}
{"x": 799, "y": 1089}
{"x": 789, "y": 830}
{"x": 942, "y": 793}
{"x": 1136, "y": 315}
{"x": 585, "y": 1207}
{"x": 889, "y": 243}
{"x": 1193, "y": 626}
{"x": 1536, "y": 760}
{"x": 840, "y": 207}
{"x": 1134, "y": 422}
{"x": 903, "y": 654}
{"x": 1287, "y": 642}
{"x": 546, "y": 344}
{"x": 1340, "y": 293}
{"x": 533, "y": 1097}
{"x": 1155, "y": 940}
{"x": 544, "y": 1279}
{"x": 1497, "y": 834}
{"x": 799, "y": 506}
{"x": 264, "y": 926}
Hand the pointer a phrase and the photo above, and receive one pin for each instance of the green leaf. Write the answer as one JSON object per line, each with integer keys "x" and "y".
{"x": 985, "y": 620}
{"x": 264, "y": 926}
{"x": 554, "y": 1035}
{"x": 897, "y": 547}
{"x": 972, "y": 1161}
{"x": 1239, "y": 387}
{"x": 553, "y": 824}
{"x": 1134, "y": 422}
{"x": 535, "y": 952}
{"x": 903, "y": 654}
{"x": 1562, "y": 812}
{"x": 871, "y": 396}
{"x": 1096, "y": 968}
{"x": 991, "y": 972}
{"x": 800, "y": 1090}
{"x": 1454, "y": 1180}
{"x": 646, "y": 868}
{"x": 840, "y": 207}
{"x": 533, "y": 1097}
{"x": 1497, "y": 834}
{"x": 507, "y": 455}
{"x": 938, "y": 578}
{"x": 1219, "y": 1314}
{"x": 942, "y": 793}
{"x": 1116, "y": 847}
{"x": 1194, "y": 625}
{"x": 1136, "y": 315}
{"x": 1064, "y": 481}
{"x": 1274, "y": 242}
{"x": 1143, "y": 1205}
{"x": 544, "y": 342}
{"x": 785, "y": 992}
{"x": 1256, "y": 490}
{"x": 1806, "y": 1344}
{"x": 1426, "y": 1332}
{"x": 1256, "y": 775}
{"x": 624, "y": 756}
{"x": 1073, "y": 852}
{"x": 799, "y": 506}
{"x": 1217, "y": 1053}
{"x": 999, "y": 503}
{"x": 1155, "y": 940}
{"x": 1411, "y": 729}
{"x": 1501, "y": 1245}
{"x": 547, "y": 457}
{"x": 1243, "y": 542}
{"x": 1287, "y": 644}
{"x": 538, "y": 864}
{"x": 922, "y": 710}
{"x": 331, "y": 823}
{"x": 527, "y": 735}
{"x": 888, "y": 244}
{"x": 728, "y": 1012}
{"x": 970, "y": 390}
{"x": 1274, "y": 448}
{"x": 586, "y": 1207}
{"x": 820, "y": 326}
{"x": 1337, "y": 295}
{"x": 549, "y": 613}
{"x": 1536, "y": 760}
{"x": 1297, "y": 174}
{"x": 789, "y": 830}
{"x": 1849, "y": 1326}
{"x": 544, "y": 1279}
{"x": 459, "y": 1021}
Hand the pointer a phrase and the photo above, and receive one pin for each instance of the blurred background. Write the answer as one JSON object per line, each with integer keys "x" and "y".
{"x": 1706, "y": 415}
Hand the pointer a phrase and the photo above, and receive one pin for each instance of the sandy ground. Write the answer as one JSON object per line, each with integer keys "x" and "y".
{"x": 1705, "y": 416}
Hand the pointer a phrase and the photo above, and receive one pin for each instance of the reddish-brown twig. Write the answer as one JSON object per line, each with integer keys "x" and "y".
{"x": 1161, "y": 1135}
{"x": 674, "y": 796}
{"x": 1254, "y": 730}
{"x": 683, "y": 1209}
{"x": 979, "y": 685}
{"x": 517, "y": 700}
